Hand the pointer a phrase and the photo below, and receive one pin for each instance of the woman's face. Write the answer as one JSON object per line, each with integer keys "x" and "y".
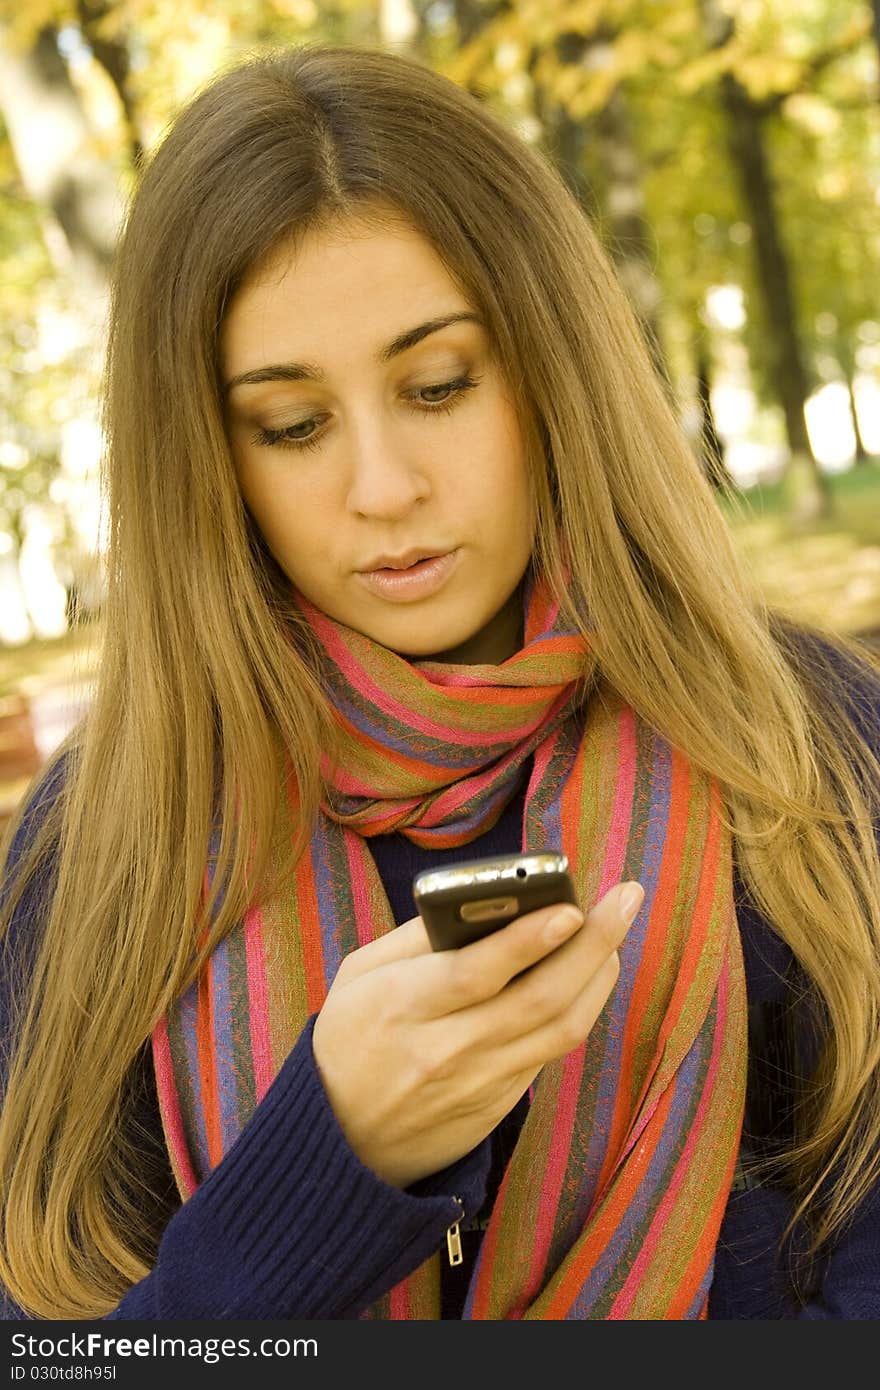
{"x": 359, "y": 445}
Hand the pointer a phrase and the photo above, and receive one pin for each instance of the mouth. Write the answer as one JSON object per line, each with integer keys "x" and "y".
{"x": 410, "y": 559}
{"x": 416, "y": 567}
{"x": 422, "y": 577}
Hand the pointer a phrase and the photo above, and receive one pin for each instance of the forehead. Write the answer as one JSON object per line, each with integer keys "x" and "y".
{"x": 389, "y": 249}
{"x": 332, "y": 298}
{"x": 345, "y": 286}
{"x": 334, "y": 231}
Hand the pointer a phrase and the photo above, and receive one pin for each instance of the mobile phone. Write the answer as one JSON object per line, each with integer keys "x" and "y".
{"x": 465, "y": 901}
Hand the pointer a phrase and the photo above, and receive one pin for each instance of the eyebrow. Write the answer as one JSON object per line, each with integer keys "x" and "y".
{"x": 305, "y": 371}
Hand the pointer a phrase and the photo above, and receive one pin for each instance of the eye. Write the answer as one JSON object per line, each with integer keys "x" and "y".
{"x": 287, "y": 438}
{"x": 450, "y": 387}
{"x": 456, "y": 389}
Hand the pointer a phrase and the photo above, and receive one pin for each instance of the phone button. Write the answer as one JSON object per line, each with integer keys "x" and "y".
{"x": 487, "y": 909}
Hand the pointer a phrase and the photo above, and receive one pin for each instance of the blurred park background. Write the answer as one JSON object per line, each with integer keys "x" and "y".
{"x": 728, "y": 152}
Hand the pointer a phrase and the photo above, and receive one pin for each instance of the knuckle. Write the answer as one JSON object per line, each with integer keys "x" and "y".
{"x": 608, "y": 928}
{"x": 465, "y": 977}
{"x": 576, "y": 1024}
{"x": 344, "y": 971}
{"x": 573, "y": 1031}
{"x": 540, "y": 998}
{"x": 568, "y": 1035}
{"x": 435, "y": 1064}
{"x": 611, "y": 969}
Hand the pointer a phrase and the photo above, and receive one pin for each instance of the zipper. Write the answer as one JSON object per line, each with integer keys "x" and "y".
{"x": 453, "y": 1236}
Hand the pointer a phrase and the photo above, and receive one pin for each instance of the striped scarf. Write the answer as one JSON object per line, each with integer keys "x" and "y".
{"x": 611, "y": 1203}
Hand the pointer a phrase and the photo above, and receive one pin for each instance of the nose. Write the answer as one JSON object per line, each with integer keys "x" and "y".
{"x": 385, "y": 481}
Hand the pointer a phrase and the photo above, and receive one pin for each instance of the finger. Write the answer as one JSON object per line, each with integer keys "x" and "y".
{"x": 566, "y": 1030}
{"x": 475, "y": 975}
{"x": 405, "y": 941}
{"x": 554, "y": 983}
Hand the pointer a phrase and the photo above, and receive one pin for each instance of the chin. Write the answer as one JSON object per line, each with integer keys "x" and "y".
{"x": 420, "y": 651}
{"x": 428, "y": 642}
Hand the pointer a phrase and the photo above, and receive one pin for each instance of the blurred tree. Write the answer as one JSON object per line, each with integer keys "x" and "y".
{"x": 591, "y": 141}
{"x": 711, "y": 447}
{"x": 47, "y": 376}
{"x": 835, "y": 198}
{"x": 104, "y": 28}
{"x": 68, "y": 179}
{"x": 747, "y": 145}
{"x": 642, "y": 56}
{"x": 771, "y": 69}
{"x": 628, "y": 97}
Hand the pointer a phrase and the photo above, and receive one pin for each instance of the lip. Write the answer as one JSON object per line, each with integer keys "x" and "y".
{"x": 418, "y": 580}
{"x": 401, "y": 562}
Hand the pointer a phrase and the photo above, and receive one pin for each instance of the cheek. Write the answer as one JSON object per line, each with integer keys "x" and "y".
{"x": 280, "y": 525}
{"x": 283, "y": 511}
{"x": 513, "y": 500}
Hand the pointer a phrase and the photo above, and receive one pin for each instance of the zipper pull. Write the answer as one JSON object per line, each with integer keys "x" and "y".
{"x": 453, "y": 1237}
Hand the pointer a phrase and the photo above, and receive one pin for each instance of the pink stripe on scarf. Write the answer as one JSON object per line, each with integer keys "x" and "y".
{"x": 354, "y": 853}
{"x": 398, "y": 1302}
{"x": 621, "y": 813}
{"x": 258, "y": 1002}
{"x": 167, "y": 1089}
{"x": 554, "y": 1172}
{"x": 455, "y": 794}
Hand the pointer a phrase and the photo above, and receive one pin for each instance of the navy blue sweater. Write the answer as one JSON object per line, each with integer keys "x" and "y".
{"x": 292, "y": 1225}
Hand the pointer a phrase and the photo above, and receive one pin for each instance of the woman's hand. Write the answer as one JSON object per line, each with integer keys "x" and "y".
{"x": 422, "y": 1052}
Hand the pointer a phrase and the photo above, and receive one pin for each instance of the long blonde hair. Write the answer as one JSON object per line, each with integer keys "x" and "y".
{"x": 201, "y": 690}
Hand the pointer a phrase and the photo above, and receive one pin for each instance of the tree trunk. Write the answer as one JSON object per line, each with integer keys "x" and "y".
{"x": 113, "y": 56}
{"x": 51, "y": 141}
{"x": 472, "y": 16}
{"x": 625, "y": 210}
{"x": 623, "y": 205}
{"x": 746, "y": 140}
{"x": 745, "y": 132}
{"x": 862, "y": 451}
{"x": 569, "y": 140}
{"x": 711, "y": 444}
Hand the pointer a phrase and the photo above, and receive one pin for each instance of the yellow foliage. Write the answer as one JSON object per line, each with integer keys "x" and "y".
{"x": 764, "y": 73}
{"x": 303, "y": 12}
{"x": 583, "y": 16}
{"x": 833, "y": 185}
{"x": 708, "y": 67}
{"x": 23, "y": 22}
{"x": 812, "y": 113}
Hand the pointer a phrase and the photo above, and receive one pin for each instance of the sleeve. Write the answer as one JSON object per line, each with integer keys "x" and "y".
{"x": 749, "y": 1281}
{"x": 290, "y": 1224}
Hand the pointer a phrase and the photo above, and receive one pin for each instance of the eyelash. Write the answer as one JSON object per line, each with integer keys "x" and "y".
{"x": 281, "y": 438}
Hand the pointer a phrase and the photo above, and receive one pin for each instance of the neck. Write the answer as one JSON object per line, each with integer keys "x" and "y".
{"x": 494, "y": 643}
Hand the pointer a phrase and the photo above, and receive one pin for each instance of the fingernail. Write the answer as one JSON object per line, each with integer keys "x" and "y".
{"x": 563, "y": 923}
{"x": 631, "y": 897}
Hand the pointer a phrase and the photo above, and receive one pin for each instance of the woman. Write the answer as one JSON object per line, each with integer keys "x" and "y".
{"x": 410, "y": 563}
